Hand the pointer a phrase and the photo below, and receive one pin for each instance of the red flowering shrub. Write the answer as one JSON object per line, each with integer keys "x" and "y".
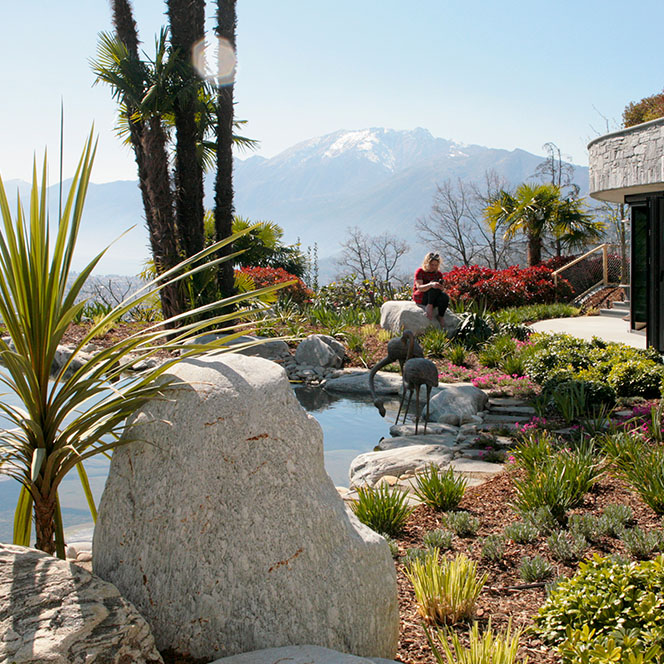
{"x": 268, "y": 276}
{"x": 511, "y": 287}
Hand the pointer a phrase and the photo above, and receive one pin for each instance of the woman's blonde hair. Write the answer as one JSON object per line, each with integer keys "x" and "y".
{"x": 431, "y": 256}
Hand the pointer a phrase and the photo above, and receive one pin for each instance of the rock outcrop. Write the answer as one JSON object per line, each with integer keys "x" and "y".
{"x": 299, "y": 655}
{"x": 399, "y": 315}
{"x": 54, "y": 612}
{"x": 457, "y": 403}
{"x": 320, "y": 350}
{"x": 224, "y": 529}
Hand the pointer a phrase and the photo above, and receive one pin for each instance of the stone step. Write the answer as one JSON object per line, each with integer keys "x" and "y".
{"x": 503, "y": 419}
{"x": 613, "y": 313}
{"x": 622, "y": 305}
{"x": 507, "y": 410}
{"x": 507, "y": 401}
{"x": 487, "y": 426}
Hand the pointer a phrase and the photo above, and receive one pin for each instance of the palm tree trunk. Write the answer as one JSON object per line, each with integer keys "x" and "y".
{"x": 223, "y": 200}
{"x": 45, "y": 524}
{"x": 149, "y": 145}
{"x": 187, "y": 20}
{"x": 163, "y": 231}
{"x": 534, "y": 251}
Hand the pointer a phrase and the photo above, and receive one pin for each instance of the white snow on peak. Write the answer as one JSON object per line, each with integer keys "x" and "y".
{"x": 364, "y": 141}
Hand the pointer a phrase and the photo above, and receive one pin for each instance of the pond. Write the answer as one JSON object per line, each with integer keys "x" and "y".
{"x": 351, "y": 425}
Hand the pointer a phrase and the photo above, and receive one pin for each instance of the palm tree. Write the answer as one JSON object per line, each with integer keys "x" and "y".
{"x": 223, "y": 199}
{"x": 64, "y": 421}
{"x": 536, "y": 210}
{"x": 156, "y": 96}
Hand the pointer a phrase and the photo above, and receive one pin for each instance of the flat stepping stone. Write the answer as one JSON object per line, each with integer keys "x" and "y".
{"x": 475, "y": 468}
{"x": 504, "y": 419}
{"x": 506, "y": 401}
{"x": 432, "y": 428}
{"x": 444, "y": 440}
{"x": 488, "y": 426}
{"x": 519, "y": 410}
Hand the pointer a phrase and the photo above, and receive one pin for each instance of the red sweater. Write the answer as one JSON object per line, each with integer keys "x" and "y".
{"x": 425, "y": 278}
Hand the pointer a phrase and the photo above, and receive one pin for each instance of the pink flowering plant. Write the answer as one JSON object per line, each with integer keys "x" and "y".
{"x": 500, "y": 384}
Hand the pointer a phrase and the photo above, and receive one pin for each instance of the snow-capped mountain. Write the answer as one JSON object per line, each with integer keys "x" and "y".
{"x": 377, "y": 179}
{"x": 380, "y": 180}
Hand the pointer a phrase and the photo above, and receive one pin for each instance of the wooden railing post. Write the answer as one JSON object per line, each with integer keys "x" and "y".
{"x": 605, "y": 264}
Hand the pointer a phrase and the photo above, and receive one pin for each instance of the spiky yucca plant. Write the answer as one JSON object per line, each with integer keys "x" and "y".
{"x": 68, "y": 418}
{"x": 446, "y": 591}
{"x": 487, "y": 648}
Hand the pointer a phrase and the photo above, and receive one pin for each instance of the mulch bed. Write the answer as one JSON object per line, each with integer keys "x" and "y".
{"x": 502, "y": 598}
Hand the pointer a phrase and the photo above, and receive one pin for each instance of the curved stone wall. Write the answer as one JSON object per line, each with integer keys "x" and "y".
{"x": 629, "y": 161}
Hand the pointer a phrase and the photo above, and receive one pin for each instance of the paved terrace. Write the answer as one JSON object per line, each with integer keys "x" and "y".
{"x": 587, "y": 327}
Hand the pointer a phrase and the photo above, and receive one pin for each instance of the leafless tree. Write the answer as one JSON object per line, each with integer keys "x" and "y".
{"x": 556, "y": 171}
{"x": 457, "y": 227}
{"x": 371, "y": 256}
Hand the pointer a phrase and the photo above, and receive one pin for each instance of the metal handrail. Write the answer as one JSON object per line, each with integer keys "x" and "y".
{"x": 605, "y": 263}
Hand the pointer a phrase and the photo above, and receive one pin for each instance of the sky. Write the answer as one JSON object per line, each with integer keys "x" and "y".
{"x": 509, "y": 74}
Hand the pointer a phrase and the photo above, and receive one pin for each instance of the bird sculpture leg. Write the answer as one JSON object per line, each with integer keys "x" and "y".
{"x": 403, "y": 396}
{"x": 427, "y": 419}
{"x": 417, "y": 408}
{"x": 411, "y": 388}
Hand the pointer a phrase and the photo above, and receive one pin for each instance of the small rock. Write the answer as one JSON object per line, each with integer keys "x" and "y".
{"x": 84, "y": 557}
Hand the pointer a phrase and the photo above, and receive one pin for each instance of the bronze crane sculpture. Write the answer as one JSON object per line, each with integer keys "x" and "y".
{"x": 417, "y": 371}
{"x": 398, "y": 349}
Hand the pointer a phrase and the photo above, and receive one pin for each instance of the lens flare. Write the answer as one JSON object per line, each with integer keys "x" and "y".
{"x": 214, "y": 59}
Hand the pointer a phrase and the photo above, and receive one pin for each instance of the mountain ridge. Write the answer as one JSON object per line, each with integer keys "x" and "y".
{"x": 381, "y": 180}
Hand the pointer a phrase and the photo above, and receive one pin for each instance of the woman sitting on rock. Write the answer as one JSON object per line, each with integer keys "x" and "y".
{"x": 428, "y": 287}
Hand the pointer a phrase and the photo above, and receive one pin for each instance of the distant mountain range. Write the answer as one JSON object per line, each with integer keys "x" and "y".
{"x": 380, "y": 180}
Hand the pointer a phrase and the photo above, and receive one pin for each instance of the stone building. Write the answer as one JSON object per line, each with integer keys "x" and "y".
{"x": 627, "y": 166}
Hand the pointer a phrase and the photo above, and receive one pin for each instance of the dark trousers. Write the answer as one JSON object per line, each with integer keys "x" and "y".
{"x": 438, "y": 298}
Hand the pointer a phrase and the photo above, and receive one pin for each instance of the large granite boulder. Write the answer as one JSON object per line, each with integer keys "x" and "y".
{"x": 399, "y": 315}
{"x": 299, "y": 655}
{"x": 366, "y": 469}
{"x": 357, "y": 382}
{"x": 320, "y": 350}
{"x": 457, "y": 403}
{"x": 226, "y": 532}
{"x": 55, "y": 612}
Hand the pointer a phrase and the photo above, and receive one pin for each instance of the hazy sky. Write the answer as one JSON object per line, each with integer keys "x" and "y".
{"x": 504, "y": 74}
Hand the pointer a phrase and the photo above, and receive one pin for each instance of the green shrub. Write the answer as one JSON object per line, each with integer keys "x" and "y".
{"x": 462, "y": 523}
{"x": 587, "y": 526}
{"x": 521, "y": 532}
{"x": 535, "y": 569}
{"x": 533, "y": 312}
{"x": 457, "y": 354}
{"x": 542, "y": 519}
{"x": 609, "y": 598}
{"x": 492, "y": 548}
{"x": 496, "y": 351}
{"x": 439, "y": 490}
{"x": 641, "y": 544}
{"x": 559, "y": 482}
{"x": 438, "y": 539}
{"x": 640, "y": 463}
{"x": 642, "y": 378}
{"x": 446, "y": 591}
{"x": 616, "y": 517}
{"x": 566, "y": 547}
{"x": 533, "y": 450}
{"x": 583, "y": 646}
{"x": 488, "y": 648}
{"x": 383, "y": 509}
{"x": 575, "y": 397}
{"x": 434, "y": 342}
{"x": 412, "y": 555}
